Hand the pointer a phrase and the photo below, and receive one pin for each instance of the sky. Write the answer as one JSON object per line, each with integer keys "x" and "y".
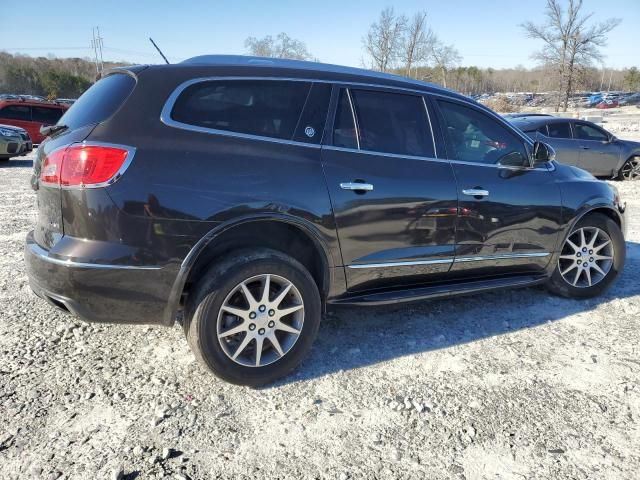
{"x": 487, "y": 34}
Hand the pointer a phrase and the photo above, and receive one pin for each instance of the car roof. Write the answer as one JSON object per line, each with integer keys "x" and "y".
{"x": 305, "y": 68}
{"x": 537, "y": 121}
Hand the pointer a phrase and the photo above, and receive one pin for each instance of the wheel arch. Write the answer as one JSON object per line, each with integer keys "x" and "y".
{"x": 234, "y": 234}
{"x": 603, "y": 208}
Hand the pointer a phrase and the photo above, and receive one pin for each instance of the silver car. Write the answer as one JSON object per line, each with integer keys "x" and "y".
{"x": 14, "y": 142}
{"x": 585, "y": 145}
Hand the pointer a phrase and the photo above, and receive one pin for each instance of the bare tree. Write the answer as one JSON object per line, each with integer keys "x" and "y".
{"x": 282, "y": 47}
{"x": 417, "y": 42}
{"x": 570, "y": 44}
{"x": 384, "y": 39}
{"x": 445, "y": 57}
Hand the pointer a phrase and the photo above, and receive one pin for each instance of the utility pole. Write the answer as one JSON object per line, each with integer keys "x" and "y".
{"x": 96, "y": 44}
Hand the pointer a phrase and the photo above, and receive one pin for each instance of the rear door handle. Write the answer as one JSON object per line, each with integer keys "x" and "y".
{"x": 366, "y": 187}
{"x": 476, "y": 192}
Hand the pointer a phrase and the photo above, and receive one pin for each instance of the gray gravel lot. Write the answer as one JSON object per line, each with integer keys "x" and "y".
{"x": 508, "y": 385}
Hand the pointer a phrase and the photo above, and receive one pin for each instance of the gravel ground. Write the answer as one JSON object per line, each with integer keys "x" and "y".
{"x": 505, "y": 385}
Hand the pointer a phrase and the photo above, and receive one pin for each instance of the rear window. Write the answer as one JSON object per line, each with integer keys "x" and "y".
{"x": 559, "y": 130}
{"x": 268, "y": 108}
{"x": 99, "y": 102}
{"x": 46, "y": 115}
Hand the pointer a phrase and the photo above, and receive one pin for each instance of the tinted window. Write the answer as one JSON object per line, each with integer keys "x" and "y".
{"x": 392, "y": 123}
{"x": 560, "y": 130}
{"x": 311, "y": 124}
{"x": 267, "y": 108}
{"x": 344, "y": 131}
{"x": 587, "y": 132}
{"x": 16, "y": 112}
{"x": 476, "y": 137}
{"x": 99, "y": 102}
{"x": 46, "y": 115}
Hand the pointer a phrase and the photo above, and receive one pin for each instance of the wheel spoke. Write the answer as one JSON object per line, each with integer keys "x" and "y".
{"x": 573, "y": 245}
{"x": 233, "y": 331}
{"x": 593, "y": 239}
{"x": 281, "y": 295}
{"x": 248, "y": 295}
{"x": 265, "y": 291}
{"x": 587, "y": 272}
{"x": 259, "y": 343}
{"x": 287, "y": 311}
{"x": 247, "y": 339}
{"x": 601, "y": 246}
{"x": 276, "y": 344}
{"x": 238, "y": 312}
{"x": 577, "y": 277}
{"x": 287, "y": 328}
{"x": 602, "y": 257}
{"x": 571, "y": 267}
{"x": 568, "y": 257}
{"x": 596, "y": 267}
{"x": 583, "y": 241}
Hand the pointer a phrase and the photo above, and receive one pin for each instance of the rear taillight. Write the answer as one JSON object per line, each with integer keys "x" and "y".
{"x": 83, "y": 165}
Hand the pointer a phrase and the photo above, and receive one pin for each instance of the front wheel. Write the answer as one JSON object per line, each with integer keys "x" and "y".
{"x": 630, "y": 170}
{"x": 591, "y": 258}
{"x": 253, "y": 318}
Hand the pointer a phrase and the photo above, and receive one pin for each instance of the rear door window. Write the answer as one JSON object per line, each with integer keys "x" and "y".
{"x": 560, "y": 130}
{"x": 101, "y": 101}
{"x": 46, "y": 115}
{"x": 392, "y": 123}
{"x": 344, "y": 127}
{"x": 16, "y": 112}
{"x": 268, "y": 108}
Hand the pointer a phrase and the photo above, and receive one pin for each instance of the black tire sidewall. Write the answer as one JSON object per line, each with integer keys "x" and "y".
{"x": 201, "y": 327}
{"x": 559, "y": 286}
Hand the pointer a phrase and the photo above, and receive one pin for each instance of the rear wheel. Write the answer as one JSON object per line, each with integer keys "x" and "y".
{"x": 591, "y": 258}
{"x": 253, "y": 318}
{"x": 630, "y": 170}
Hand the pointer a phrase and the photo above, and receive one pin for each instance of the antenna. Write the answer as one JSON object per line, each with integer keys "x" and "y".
{"x": 159, "y": 51}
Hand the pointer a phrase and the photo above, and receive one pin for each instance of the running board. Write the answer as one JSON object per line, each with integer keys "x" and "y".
{"x": 438, "y": 291}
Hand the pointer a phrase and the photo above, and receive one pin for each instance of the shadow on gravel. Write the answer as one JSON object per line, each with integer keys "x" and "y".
{"x": 352, "y": 337}
{"x": 15, "y": 163}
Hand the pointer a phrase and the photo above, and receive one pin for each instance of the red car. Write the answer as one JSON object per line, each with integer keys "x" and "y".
{"x": 30, "y": 115}
{"x": 607, "y": 104}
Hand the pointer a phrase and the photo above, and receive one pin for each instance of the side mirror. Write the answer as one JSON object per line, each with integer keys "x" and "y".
{"x": 542, "y": 153}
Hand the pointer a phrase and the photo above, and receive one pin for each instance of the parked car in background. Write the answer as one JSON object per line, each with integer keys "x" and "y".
{"x": 519, "y": 115}
{"x": 14, "y": 142}
{"x": 31, "y": 115}
{"x": 631, "y": 99}
{"x": 242, "y": 195}
{"x": 585, "y": 145}
{"x": 608, "y": 103}
{"x": 66, "y": 101}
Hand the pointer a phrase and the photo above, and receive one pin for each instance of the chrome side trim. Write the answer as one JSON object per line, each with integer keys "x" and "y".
{"x": 403, "y": 264}
{"x": 505, "y": 256}
{"x": 353, "y": 115}
{"x": 479, "y": 258}
{"x": 43, "y": 254}
{"x": 381, "y": 154}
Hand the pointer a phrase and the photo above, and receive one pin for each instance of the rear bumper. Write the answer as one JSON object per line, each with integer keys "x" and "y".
{"x": 99, "y": 292}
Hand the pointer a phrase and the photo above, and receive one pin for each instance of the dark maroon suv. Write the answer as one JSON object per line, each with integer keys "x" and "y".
{"x": 242, "y": 196}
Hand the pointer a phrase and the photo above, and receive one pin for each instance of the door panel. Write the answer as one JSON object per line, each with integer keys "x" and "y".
{"x": 408, "y": 218}
{"x": 597, "y": 154}
{"x": 511, "y": 230}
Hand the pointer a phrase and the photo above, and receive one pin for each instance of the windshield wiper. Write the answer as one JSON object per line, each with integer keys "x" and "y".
{"x": 51, "y": 129}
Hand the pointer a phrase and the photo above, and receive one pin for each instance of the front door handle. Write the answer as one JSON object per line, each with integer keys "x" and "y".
{"x": 365, "y": 187}
{"x": 585, "y": 148}
{"x": 476, "y": 192}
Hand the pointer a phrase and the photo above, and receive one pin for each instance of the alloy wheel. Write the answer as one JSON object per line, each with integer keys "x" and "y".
{"x": 586, "y": 257}
{"x": 631, "y": 169}
{"x": 260, "y": 320}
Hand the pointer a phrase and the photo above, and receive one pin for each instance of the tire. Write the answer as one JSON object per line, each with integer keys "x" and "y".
{"x": 4, "y": 159}
{"x": 630, "y": 170}
{"x": 205, "y": 318}
{"x": 577, "y": 282}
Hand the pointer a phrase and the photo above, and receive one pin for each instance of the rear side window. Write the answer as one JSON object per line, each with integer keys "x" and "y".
{"x": 46, "y": 115}
{"x": 344, "y": 128}
{"x": 311, "y": 123}
{"x": 16, "y": 112}
{"x": 392, "y": 123}
{"x": 99, "y": 102}
{"x": 560, "y": 130}
{"x": 268, "y": 108}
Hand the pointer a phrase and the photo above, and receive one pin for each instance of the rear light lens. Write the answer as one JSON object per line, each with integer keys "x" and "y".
{"x": 83, "y": 165}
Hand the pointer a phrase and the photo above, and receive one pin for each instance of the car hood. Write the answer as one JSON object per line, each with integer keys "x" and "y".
{"x": 12, "y": 128}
